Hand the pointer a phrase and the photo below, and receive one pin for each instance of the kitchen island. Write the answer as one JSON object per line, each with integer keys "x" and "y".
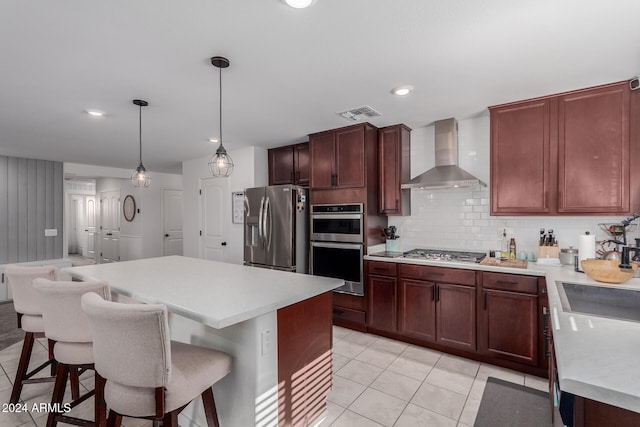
{"x": 276, "y": 325}
{"x": 596, "y": 357}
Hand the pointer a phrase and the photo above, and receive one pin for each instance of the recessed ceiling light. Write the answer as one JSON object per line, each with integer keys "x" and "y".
{"x": 402, "y": 90}
{"x": 95, "y": 113}
{"x": 214, "y": 140}
{"x": 299, "y": 4}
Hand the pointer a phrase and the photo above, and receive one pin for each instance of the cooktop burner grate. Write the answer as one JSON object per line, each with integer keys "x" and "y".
{"x": 445, "y": 255}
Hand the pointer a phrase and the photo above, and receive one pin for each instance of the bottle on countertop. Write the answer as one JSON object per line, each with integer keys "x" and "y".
{"x": 512, "y": 248}
{"x": 504, "y": 245}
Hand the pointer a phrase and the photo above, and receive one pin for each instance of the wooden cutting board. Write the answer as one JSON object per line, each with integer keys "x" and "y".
{"x": 511, "y": 263}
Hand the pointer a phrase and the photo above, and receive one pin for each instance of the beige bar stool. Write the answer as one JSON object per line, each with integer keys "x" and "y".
{"x": 26, "y": 302}
{"x": 69, "y": 334}
{"x": 146, "y": 374}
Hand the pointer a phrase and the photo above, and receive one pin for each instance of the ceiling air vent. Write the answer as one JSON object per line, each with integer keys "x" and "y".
{"x": 360, "y": 113}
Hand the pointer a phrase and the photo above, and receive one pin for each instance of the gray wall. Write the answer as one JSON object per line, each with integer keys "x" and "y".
{"x": 31, "y": 200}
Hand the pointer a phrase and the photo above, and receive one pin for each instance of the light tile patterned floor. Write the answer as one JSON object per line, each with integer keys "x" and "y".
{"x": 377, "y": 382}
{"x": 382, "y": 382}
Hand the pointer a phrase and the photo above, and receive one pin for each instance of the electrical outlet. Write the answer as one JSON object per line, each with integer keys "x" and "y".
{"x": 266, "y": 341}
{"x": 51, "y": 232}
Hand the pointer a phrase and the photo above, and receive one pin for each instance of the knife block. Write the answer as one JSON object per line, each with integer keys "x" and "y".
{"x": 548, "y": 251}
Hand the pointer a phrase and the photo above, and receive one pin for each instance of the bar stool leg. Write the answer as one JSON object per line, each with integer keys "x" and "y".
{"x": 58, "y": 392}
{"x": 100, "y": 408}
{"x": 210, "y": 411}
{"x": 23, "y": 366}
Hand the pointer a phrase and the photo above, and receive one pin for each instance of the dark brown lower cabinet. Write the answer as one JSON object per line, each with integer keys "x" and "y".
{"x": 382, "y": 303}
{"x": 509, "y": 318}
{"x": 456, "y": 315}
{"x": 417, "y": 309}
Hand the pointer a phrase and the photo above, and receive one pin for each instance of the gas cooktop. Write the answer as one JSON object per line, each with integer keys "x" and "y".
{"x": 444, "y": 255}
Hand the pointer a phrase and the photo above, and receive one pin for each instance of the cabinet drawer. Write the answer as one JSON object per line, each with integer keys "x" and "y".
{"x": 382, "y": 268}
{"x": 438, "y": 274}
{"x": 510, "y": 282}
{"x": 349, "y": 314}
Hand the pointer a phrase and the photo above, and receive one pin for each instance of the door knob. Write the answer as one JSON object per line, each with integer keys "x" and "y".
{"x": 224, "y": 243}
{"x": 166, "y": 235}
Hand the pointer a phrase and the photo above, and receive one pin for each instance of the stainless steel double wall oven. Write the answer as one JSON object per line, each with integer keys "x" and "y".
{"x": 337, "y": 244}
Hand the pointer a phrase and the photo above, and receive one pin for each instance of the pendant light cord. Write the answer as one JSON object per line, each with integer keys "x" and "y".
{"x": 220, "y": 69}
{"x": 140, "y": 134}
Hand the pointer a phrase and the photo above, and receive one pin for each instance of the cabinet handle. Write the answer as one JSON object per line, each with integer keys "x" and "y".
{"x": 335, "y": 311}
{"x": 435, "y": 274}
{"x": 293, "y": 176}
{"x": 507, "y": 282}
{"x": 297, "y": 176}
{"x": 437, "y": 293}
{"x": 433, "y": 293}
{"x": 397, "y": 203}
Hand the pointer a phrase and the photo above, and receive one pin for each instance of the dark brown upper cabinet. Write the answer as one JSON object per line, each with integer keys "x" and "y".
{"x": 567, "y": 154}
{"x": 289, "y": 165}
{"x": 394, "y": 150}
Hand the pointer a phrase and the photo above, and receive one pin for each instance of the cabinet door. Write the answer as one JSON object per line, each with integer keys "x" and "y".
{"x": 322, "y": 151}
{"x": 520, "y": 158}
{"x": 382, "y": 303}
{"x": 281, "y": 166}
{"x": 456, "y": 316}
{"x": 417, "y": 309}
{"x": 593, "y": 157}
{"x": 389, "y": 165}
{"x": 511, "y": 321}
{"x": 349, "y": 160}
{"x": 301, "y": 164}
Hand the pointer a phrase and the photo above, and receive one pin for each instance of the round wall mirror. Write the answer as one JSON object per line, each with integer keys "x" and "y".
{"x": 129, "y": 208}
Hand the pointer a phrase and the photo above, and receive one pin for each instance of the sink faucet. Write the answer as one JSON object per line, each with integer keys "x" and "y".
{"x": 624, "y": 263}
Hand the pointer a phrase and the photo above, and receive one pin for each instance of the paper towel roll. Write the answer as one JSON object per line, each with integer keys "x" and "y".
{"x": 586, "y": 246}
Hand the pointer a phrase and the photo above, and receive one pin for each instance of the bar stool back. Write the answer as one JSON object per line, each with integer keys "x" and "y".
{"x": 69, "y": 334}
{"x": 26, "y": 302}
{"x": 146, "y": 374}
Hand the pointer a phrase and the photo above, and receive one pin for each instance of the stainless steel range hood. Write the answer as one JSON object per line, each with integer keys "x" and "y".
{"x": 446, "y": 173}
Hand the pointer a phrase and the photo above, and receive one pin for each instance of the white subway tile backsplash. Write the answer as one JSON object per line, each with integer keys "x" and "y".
{"x": 459, "y": 219}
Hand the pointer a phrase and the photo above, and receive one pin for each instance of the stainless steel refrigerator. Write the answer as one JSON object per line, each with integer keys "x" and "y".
{"x": 276, "y": 228}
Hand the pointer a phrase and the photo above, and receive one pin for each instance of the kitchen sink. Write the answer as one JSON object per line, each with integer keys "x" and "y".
{"x": 603, "y": 301}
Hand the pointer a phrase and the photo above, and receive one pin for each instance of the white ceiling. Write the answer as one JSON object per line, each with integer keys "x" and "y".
{"x": 291, "y": 70}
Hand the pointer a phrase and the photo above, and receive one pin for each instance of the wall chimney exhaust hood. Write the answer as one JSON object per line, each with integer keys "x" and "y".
{"x": 446, "y": 173}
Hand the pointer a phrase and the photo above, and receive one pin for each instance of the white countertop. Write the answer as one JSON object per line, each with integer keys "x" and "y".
{"x": 214, "y": 293}
{"x": 597, "y": 357}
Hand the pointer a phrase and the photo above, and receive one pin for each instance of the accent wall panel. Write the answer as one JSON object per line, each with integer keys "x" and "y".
{"x": 31, "y": 201}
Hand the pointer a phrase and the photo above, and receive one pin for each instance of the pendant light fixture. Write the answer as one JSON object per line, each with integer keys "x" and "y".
{"x": 220, "y": 164}
{"x": 140, "y": 176}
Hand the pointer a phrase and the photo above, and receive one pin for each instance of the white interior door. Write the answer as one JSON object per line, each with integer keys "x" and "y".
{"x": 72, "y": 234}
{"x": 172, "y": 222}
{"x": 215, "y": 218}
{"x": 90, "y": 229}
{"x": 109, "y": 226}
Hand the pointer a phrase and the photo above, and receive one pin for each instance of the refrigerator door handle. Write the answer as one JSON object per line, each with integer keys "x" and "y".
{"x": 267, "y": 223}
{"x": 260, "y": 222}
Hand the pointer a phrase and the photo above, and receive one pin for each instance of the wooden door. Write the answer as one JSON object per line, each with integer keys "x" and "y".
{"x": 522, "y": 170}
{"x": 110, "y": 210}
{"x": 381, "y": 292}
{"x": 281, "y": 165}
{"x": 322, "y": 152}
{"x": 301, "y": 164}
{"x": 456, "y": 316}
{"x": 350, "y": 167}
{"x": 593, "y": 155}
{"x": 214, "y": 218}
{"x": 172, "y": 222}
{"x": 511, "y": 323}
{"x": 417, "y": 309}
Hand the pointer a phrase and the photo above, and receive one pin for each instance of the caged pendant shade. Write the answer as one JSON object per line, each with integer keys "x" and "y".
{"x": 220, "y": 164}
{"x": 140, "y": 176}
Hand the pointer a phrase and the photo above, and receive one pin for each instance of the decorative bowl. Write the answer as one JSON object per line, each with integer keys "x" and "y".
{"x": 607, "y": 270}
